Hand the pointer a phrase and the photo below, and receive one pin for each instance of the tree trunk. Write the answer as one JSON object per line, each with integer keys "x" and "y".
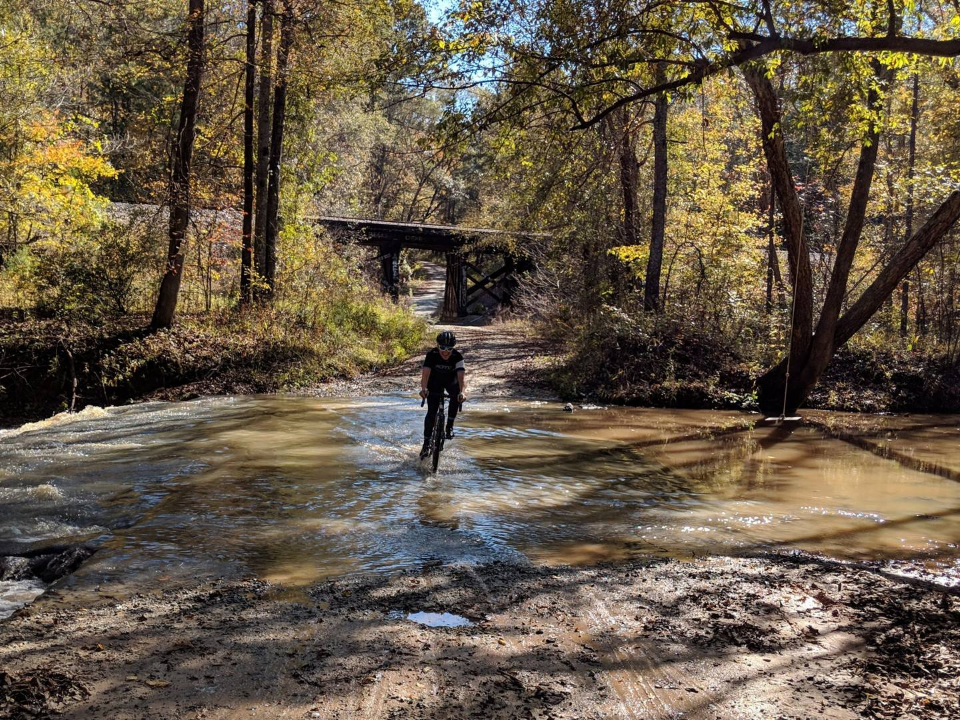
{"x": 651, "y": 284}
{"x": 911, "y": 166}
{"x": 774, "y": 279}
{"x": 276, "y": 147}
{"x": 922, "y": 241}
{"x": 629, "y": 172}
{"x": 246, "y": 259}
{"x": 263, "y": 142}
{"x": 823, "y": 344}
{"x": 790, "y": 210}
{"x": 180, "y": 170}
{"x": 784, "y": 387}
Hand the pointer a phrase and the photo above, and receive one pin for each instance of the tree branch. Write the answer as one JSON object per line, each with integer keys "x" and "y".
{"x": 764, "y": 45}
{"x": 898, "y": 268}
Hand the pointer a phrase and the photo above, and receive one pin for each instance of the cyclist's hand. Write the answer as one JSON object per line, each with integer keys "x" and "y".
{"x": 423, "y": 393}
{"x": 461, "y": 397}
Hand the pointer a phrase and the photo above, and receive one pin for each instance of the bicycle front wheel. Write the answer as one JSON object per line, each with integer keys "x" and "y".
{"x": 437, "y": 440}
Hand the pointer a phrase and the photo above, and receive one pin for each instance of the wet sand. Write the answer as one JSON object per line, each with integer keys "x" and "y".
{"x": 718, "y": 638}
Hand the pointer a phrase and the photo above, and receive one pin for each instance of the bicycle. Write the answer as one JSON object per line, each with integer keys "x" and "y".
{"x": 437, "y": 437}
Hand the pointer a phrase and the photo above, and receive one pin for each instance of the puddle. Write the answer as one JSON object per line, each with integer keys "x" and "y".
{"x": 436, "y": 620}
{"x": 14, "y": 594}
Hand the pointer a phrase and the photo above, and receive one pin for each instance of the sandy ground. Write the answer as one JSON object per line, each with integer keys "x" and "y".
{"x": 715, "y": 638}
{"x": 719, "y": 638}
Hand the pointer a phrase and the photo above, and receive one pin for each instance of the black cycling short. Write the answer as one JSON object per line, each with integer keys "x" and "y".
{"x": 433, "y": 404}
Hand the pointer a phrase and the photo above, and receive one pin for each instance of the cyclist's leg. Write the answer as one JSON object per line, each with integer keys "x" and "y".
{"x": 454, "y": 391}
{"x": 433, "y": 404}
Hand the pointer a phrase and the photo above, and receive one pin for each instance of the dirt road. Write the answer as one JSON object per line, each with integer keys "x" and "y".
{"x": 502, "y": 358}
{"x": 719, "y": 638}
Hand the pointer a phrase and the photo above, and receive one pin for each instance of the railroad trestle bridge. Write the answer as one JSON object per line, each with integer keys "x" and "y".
{"x": 465, "y": 250}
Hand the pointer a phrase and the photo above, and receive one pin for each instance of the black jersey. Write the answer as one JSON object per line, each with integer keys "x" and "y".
{"x": 443, "y": 373}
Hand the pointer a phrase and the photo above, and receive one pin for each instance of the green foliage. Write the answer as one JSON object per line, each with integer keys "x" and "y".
{"x": 93, "y": 276}
{"x": 659, "y": 361}
{"x": 262, "y": 350}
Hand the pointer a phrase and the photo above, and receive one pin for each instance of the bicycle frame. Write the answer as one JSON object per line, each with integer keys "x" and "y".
{"x": 436, "y": 433}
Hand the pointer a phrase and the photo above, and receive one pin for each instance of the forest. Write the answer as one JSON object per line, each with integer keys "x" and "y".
{"x": 688, "y": 271}
{"x": 723, "y": 197}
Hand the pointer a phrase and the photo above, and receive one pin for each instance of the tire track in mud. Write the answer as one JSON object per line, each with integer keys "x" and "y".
{"x": 644, "y": 683}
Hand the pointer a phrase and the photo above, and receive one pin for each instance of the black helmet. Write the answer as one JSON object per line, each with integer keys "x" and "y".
{"x": 446, "y": 339}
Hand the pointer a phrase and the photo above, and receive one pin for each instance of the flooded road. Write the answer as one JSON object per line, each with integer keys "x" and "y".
{"x": 294, "y": 490}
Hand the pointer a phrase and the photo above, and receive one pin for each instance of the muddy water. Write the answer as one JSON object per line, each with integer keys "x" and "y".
{"x": 294, "y": 490}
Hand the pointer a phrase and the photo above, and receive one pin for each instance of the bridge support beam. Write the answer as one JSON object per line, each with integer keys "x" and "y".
{"x": 455, "y": 291}
{"x": 390, "y": 270}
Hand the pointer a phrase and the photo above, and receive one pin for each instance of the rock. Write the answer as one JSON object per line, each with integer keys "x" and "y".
{"x": 56, "y": 565}
{"x": 13, "y": 567}
{"x": 568, "y": 407}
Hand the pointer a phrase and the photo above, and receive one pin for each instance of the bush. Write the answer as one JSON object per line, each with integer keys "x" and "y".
{"x": 90, "y": 277}
{"x": 653, "y": 360}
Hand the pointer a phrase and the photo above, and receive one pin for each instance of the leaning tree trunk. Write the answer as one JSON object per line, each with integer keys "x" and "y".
{"x": 180, "y": 170}
{"x": 263, "y": 143}
{"x": 651, "y": 283}
{"x": 787, "y": 385}
{"x": 823, "y": 344}
{"x": 276, "y": 146}
{"x": 246, "y": 259}
{"x": 801, "y": 279}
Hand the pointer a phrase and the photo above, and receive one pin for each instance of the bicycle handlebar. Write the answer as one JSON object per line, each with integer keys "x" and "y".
{"x": 459, "y": 403}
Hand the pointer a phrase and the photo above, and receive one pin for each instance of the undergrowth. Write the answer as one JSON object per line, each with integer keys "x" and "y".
{"x": 676, "y": 362}
{"x": 49, "y": 365}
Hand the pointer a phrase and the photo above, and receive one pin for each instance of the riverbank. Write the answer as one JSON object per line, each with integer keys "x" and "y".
{"x": 717, "y": 637}
{"x": 676, "y": 364}
{"x": 711, "y": 637}
{"x": 48, "y": 366}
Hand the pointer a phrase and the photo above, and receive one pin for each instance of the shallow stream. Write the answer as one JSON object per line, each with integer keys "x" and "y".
{"x": 294, "y": 490}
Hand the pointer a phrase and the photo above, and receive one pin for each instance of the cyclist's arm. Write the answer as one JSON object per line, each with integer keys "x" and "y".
{"x": 424, "y": 377}
{"x": 461, "y": 375}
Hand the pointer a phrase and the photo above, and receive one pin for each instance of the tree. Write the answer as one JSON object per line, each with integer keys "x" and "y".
{"x": 596, "y": 59}
{"x": 651, "y": 283}
{"x": 180, "y": 168}
{"x": 264, "y": 136}
{"x": 911, "y": 167}
{"x": 249, "y": 86}
{"x": 276, "y": 145}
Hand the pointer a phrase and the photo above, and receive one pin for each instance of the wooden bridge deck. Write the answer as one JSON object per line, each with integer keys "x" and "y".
{"x": 423, "y": 236}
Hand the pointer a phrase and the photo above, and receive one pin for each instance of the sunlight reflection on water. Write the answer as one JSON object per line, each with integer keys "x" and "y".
{"x": 298, "y": 489}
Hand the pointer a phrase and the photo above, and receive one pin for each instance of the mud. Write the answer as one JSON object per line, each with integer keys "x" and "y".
{"x": 764, "y": 637}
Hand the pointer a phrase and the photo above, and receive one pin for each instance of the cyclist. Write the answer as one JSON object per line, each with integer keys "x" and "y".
{"x": 442, "y": 370}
